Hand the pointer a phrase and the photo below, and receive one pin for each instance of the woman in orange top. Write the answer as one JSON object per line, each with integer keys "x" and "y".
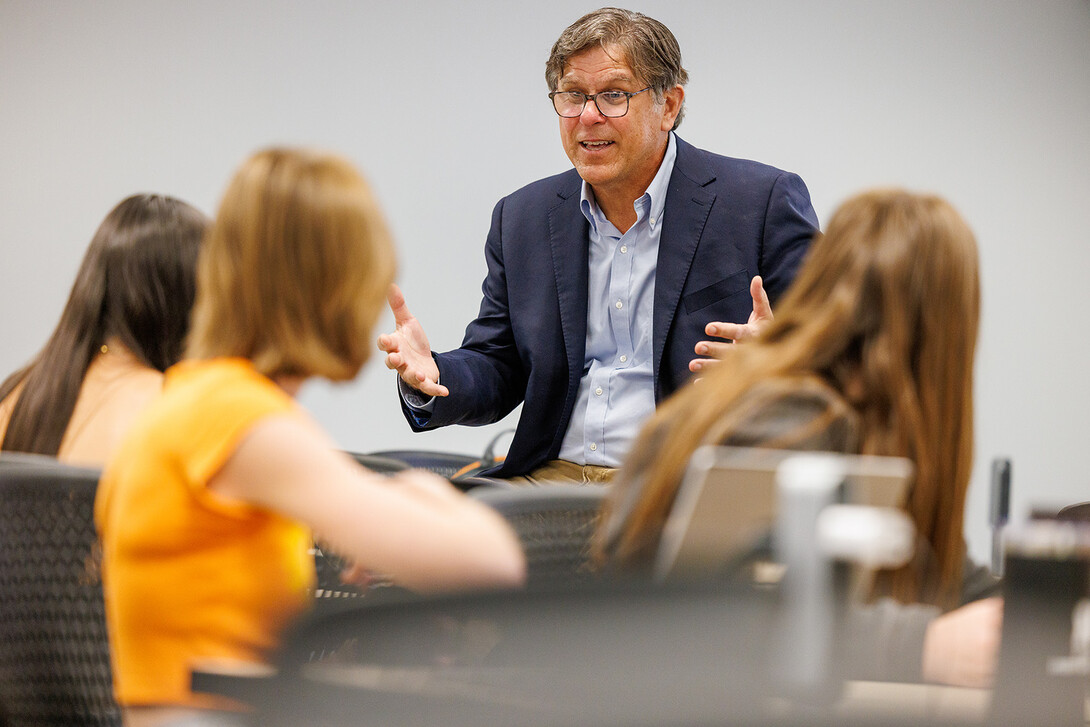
{"x": 124, "y": 324}
{"x": 207, "y": 511}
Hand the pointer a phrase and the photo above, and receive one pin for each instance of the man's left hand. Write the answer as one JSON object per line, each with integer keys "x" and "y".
{"x": 711, "y": 352}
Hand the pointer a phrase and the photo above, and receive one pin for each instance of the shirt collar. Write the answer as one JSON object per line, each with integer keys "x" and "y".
{"x": 653, "y": 199}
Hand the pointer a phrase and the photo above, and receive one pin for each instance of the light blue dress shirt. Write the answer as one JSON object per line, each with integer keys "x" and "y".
{"x": 617, "y": 391}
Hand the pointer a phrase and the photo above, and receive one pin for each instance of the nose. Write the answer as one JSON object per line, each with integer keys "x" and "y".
{"x": 591, "y": 115}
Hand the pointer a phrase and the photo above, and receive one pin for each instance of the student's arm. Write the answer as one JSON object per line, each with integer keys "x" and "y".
{"x": 891, "y": 641}
{"x": 962, "y": 647}
{"x": 415, "y": 528}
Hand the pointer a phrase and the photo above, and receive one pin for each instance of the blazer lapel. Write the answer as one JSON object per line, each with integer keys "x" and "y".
{"x": 568, "y": 240}
{"x": 688, "y": 204}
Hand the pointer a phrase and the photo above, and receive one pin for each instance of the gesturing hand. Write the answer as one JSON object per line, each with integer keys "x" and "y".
{"x": 710, "y": 352}
{"x": 407, "y": 349}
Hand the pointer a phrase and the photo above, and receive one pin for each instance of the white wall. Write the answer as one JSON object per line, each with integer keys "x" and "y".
{"x": 443, "y": 105}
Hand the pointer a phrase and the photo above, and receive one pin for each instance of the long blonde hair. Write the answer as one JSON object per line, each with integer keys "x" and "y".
{"x": 884, "y": 312}
{"x": 295, "y": 269}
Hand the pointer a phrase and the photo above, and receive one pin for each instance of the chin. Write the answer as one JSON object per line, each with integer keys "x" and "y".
{"x": 594, "y": 174}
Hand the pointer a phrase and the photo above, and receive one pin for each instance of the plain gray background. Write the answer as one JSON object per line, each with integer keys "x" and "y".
{"x": 443, "y": 106}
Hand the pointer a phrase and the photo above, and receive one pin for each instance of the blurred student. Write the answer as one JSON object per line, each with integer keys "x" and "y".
{"x": 871, "y": 351}
{"x": 208, "y": 509}
{"x": 124, "y": 324}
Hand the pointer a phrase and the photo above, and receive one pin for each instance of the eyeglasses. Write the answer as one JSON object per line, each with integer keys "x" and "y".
{"x": 613, "y": 104}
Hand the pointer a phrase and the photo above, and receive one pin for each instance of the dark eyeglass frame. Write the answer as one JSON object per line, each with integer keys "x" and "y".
{"x": 594, "y": 97}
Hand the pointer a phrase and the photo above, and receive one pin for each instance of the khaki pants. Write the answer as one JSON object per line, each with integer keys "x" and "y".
{"x": 562, "y": 472}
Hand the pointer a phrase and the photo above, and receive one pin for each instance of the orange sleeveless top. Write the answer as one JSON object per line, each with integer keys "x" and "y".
{"x": 190, "y": 575}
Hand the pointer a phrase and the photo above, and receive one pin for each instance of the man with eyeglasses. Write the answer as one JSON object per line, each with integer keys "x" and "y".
{"x": 604, "y": 281}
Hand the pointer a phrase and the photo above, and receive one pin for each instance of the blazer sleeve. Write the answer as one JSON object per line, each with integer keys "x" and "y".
{"x": 485, "y": 376}
{"x": 790, "y": 225}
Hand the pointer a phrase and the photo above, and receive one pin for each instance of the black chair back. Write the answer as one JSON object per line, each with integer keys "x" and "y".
{"x": 554, "y": 524}
{"x": 444, "y": 464}
{"x": 597, "y": 654}
{"x": 377, "y": 463}
{"x": 55, "y": 658}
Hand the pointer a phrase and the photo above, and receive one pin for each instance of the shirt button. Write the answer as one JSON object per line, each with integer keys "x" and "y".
{"x": 624, "y": 358}
{"x": 598, "y": 391}
{"x": 652, "y": 221}
{"x": 619, "y": 305}
{"x": 593, "y": 447}
{"x": 624, "y": 249}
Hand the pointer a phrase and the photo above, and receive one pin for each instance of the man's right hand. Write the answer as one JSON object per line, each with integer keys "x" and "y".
{"x": 407, "y": 349}
{"x": 712, "y": 352}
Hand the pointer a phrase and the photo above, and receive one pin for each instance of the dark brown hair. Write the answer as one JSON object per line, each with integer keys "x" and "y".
{"x": 137, "y": 284}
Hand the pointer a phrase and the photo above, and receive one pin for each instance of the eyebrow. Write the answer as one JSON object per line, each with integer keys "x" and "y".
{"x": 610, "y": 80}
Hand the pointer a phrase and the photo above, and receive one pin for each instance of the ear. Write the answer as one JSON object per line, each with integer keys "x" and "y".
{"x": 671, "y": 106}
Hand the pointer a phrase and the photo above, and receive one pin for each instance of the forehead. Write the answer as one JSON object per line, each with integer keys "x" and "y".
{"x": 598, "y": 64}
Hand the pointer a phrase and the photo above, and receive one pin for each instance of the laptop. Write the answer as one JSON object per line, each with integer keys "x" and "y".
{"x": 726, "y": 506}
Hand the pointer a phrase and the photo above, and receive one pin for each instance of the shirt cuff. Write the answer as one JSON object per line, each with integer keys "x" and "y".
{"x": 415, "y": 400}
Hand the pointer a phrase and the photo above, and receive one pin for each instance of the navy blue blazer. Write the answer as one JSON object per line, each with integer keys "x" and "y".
{"x": 725, "y": 221}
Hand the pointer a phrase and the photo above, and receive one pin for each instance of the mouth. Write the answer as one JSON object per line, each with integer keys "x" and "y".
{"x": 595, "y": 145}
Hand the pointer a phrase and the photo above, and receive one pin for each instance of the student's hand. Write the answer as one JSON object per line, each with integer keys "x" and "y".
{"x": 961, "y": 647}
{"x": 358, "y": 576}
{"x": 407, "y": 349}
{"x": 711, "y": 352}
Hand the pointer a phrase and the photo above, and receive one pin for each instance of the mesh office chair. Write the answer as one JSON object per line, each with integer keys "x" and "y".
{"x": 554, "y": 524}
{"x": 377, "y": 463}
{"x": 444, "y": 464}
{"x": 55, "y": 661}
{"x": 461, "y": 469}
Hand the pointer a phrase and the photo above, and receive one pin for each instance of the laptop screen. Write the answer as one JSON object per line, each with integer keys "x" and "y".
{"x": 728, "y": 502}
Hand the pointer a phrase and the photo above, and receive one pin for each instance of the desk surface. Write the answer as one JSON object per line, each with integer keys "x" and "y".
{"x": 927, "y": 702}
